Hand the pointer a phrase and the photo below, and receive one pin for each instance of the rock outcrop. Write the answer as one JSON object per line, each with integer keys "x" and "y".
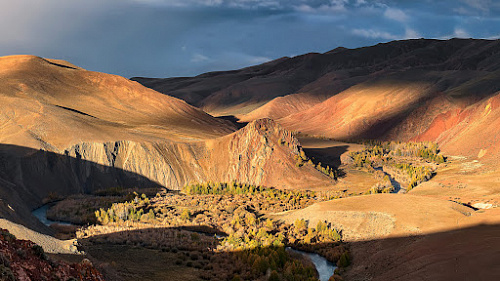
{"x": 25, "y": 260}
{"x": 262, "y": 153}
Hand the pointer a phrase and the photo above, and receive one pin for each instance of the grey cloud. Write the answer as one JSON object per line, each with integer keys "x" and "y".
{"x": 396, "y": 14}
{"x": 186, "y": 37}
{"x": 255, "y": 4}
{"x": 481, "y": 5}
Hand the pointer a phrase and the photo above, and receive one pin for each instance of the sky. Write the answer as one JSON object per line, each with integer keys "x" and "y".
{"x": 167, "y": 38}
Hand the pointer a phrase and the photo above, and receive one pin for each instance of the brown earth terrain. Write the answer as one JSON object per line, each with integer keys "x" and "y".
{"x": 65, "y": 130}
{"x": 421, "y": 89}
{"x": 408, "y": 237}
{"x": 53, "y": 106}
{"x": 25, "y": 260}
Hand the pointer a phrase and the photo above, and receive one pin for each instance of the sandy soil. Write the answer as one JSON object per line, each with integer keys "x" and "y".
{"x": 408, "y": 237}
{"x": 465, "y": 180}
{"x": 54, "y": 105}
{"x": 48, "y": 243}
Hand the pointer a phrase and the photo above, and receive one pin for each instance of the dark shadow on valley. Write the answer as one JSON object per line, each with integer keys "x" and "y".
{"x": 328, "y": 155}
{"x": 154, "y": 253}
{"x": 27, "y": 176}
{"x": 233, "y": 120}
{"x": 186, "y": 253}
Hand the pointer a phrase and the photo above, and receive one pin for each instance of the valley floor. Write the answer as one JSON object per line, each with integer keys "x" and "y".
{"x": 446, "y": 226}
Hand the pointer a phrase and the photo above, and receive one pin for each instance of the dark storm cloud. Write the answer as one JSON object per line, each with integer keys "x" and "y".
{"x": 186, "y": 37}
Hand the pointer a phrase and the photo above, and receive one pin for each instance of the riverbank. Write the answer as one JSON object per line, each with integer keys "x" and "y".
{"x": 324, "y": 268}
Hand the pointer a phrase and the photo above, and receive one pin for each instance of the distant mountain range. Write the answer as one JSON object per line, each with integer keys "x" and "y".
{"x": 439, "y": 90}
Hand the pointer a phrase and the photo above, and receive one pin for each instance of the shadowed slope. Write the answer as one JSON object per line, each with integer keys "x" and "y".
{"x": 27, "y": 176}
{"x": 239, "y": 92}
{"x": 460, "y": 254}
{"x": 407, "y": 237}
{"x": 422, "y": 89}
{"x": 400, "y": 107}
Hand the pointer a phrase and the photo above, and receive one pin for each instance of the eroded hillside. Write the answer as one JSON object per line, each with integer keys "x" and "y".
{"x": 66, "y": 130}
{"x": 426, "y": 90}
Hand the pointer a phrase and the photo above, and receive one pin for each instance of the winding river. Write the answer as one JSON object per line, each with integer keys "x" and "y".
{"x": 395, "y": 183}
{"x": 323, "y": 266}
{"x": 41, "y": 215}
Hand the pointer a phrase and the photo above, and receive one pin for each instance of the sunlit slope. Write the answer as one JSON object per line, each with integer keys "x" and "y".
{"x": 65, "y": 130}
{"x": 408, "y": 107}
{"x": 391, "y": 215}
{"x": 53, "y": 104}
{"x": 281, "y": 107}
{"x": 439, "y": 90}
{"x": 396, "y": 237}
{"x": 363, "y": 111}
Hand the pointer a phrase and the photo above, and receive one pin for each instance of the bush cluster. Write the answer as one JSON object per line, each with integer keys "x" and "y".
{"x": 384, "y": 151}
{"x": 416, "y": 174}
{"x": 127, "y": 211}
{"x": 302, "y": 159}
{"x": 254, "y": 247}
{"x": 219, "y": 188}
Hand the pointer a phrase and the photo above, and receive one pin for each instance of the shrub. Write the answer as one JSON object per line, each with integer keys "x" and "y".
{"x": 274, "y": 276}
{"x": 300, "y": 224}
{"x": 344, "y": 260}
{"x": 195, "y": 236}
{"x": 7, "y": 236}
{"x": 186, "y": 215}
{"x": 236, "y": 277}
{"x": 39, "y": 252}
{"x": 4, "y": 260}
{"x": 194, "y": 256}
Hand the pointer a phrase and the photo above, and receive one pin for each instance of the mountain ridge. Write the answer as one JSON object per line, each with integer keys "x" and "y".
{"x": 390, "y": 91}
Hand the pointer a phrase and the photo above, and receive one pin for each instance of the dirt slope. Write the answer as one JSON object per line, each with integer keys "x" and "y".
{"x": 25, "y": 260}
{"x": 440, "y": 90}
{"x": 394, "y": 109}
{"x": 48, "y": 243}
{"x": 66, "y": 130}
{"x": 281, "y": 107}
{"x": 324, "y": 75}
{"x": 407, "y": 237}
{"x": 386, "y": 215}
{"x": 53, "y": 105}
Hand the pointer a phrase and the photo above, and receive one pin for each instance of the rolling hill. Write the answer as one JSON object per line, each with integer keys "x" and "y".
{"x": 67, "y": 130}
{"x": 422, "y": 89}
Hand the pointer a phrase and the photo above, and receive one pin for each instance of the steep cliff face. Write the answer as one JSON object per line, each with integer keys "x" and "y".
{"x": 262, "y": 153}
{"x": 54, "y": 116}
{"x": 252, "y": 155}
{"x": 66, "y": 130}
